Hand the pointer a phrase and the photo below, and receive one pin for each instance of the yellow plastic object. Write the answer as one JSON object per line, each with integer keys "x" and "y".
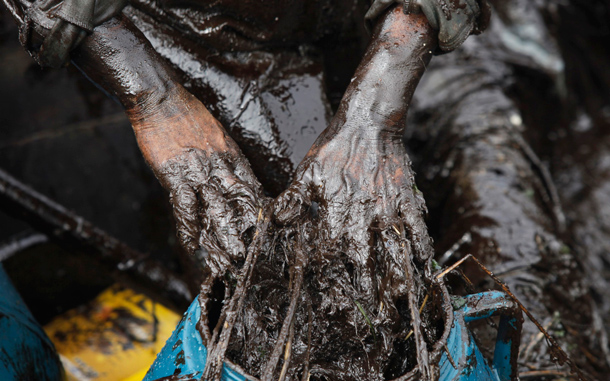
{"x": 115, "y": 337}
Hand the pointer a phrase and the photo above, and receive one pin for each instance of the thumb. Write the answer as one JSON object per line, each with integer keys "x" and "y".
{"x": 292, "y": 204}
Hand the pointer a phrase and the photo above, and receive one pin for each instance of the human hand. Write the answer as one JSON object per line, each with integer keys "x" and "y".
{"x": 358, "y": 171}
{"x": 455, "y": 20}
{"x": 355, "y": 192}
{"x": 361, "y": 182}
{"x": 367, "y": 214}
{"x": 215, "y": 195}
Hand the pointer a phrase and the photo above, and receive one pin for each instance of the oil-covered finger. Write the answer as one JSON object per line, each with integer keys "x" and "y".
{"x": 184, "y": 203}
{"x": 239, "y": 192}
{"x": 361, "y": 253}
{"x": 292, "y": 204}
{"x": 243, "y": 195}
{"x": 412, "y": 212}
{"x": 245, "y": 174}
{"x": 212, "y": 254}
{"x": 222, "y": 224}
{"x": 396, "y": 251}
{"x": 246, "y": 201}
{"x": 243, "y": 171}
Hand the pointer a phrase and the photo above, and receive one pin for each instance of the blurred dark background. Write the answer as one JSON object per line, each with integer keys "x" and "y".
{"x": 66, "y": 139}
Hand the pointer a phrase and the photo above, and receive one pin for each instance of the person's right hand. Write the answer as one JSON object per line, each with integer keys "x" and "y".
{"x": 215, "y": 196}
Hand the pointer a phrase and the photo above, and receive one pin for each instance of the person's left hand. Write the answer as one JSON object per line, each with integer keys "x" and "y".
{"x": 355, "y": 191}
{"x": 357, "y": 179}
{"x": 360, "y": 180}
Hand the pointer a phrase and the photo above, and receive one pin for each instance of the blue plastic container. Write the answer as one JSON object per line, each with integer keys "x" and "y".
{"x": 26, "y": 353}
{"x": 467, "y": 363}
{"x": 184, "y": 353}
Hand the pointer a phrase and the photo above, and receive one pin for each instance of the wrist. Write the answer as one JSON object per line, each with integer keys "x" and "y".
{"x": 168, "y": 126}
{"x": 385, "y": 81}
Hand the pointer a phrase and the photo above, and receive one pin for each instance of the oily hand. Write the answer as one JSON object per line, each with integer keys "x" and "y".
{"x": 215, "y": 196}
{"x": 216, "y": 199}
{"x": 455, "y": 20}
{"x": 362, "y": 182}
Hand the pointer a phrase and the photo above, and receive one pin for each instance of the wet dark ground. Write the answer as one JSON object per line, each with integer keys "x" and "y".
{"x": 87, "y": 160}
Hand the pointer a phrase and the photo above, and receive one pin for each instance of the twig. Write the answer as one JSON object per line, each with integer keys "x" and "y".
{"x": 466, "y": 238}
{"x": 203, "y": 324}
{"x": 420, "y": 311}
{"x": 409, "y": 335}
{"x": 287, "y": 353}
{"x": 288, "y": 320}
{"x": 75, "y": 233}
{"x": 544, "y": 373}
{"x": 309, "y": 324}
{"x": 536, "y": 339}
{"x": 453, "y": 267}
{"x": 216, "y": 354}
{"x": 449, "y": 356}
{"x": 469, "y": 286}
{"x": 423, "y": 357}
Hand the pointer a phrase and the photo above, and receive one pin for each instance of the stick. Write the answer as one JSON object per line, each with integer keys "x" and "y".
{"x": 289, "y": 319}
{"x": 216, "y": 354}
{"x": 287, "y": 353}
{"x": 74, "y": 233}
{"x": 309, "y": 323}
{"x": 423, "y": 357}
{"x": 544, "y": 373}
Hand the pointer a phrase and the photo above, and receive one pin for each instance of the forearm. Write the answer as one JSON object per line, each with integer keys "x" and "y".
{"x": 120, "y": 59}
{"x": 166, "y": 118}
{"x": 384, "y": 83}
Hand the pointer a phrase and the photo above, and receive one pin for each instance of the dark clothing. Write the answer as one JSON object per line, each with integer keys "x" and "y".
{"x": 252, "y": 24}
